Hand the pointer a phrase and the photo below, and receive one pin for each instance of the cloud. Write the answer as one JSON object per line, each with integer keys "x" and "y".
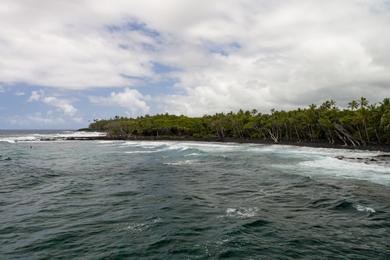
{"x": 224, "y": 55}
{"x": 19, "y": 93}
{"x": 69, "y": 45}
{"x": 61, "y": 104}
{"x": 36, "y": 96}
{"x": 130, "y": 99}
{"x": 36, "y": 119}
{"x": 287, "y": 55}
{"x": 45, "y": 120}
{"x": 40, "y": 120}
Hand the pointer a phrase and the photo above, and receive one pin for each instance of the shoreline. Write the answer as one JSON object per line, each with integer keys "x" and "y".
{"x": 379, "y": 148}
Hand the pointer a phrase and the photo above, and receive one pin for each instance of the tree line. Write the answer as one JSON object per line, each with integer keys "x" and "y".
{"x": 360, "y": 124}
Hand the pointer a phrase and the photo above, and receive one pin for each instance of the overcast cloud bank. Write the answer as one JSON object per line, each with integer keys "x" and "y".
{"x": 218, "y": 55}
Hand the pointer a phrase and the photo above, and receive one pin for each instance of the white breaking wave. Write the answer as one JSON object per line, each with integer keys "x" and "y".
{"x": 310, "y": 161}
{"x": 241, "y": 212}
{"x": 193, "y": 154}
{"x": 140, "y": 227}
{"x": 145, "y": 144}
{"x": 51, "y": 137}
{"x": 141, "y": 152}
{"x": 329, "y": 166}
{"x": 282, "y": 150}
{"x": 364, "y": 209}
{"x": 185, "y": 162}
{"x": 19, "y": 139}
{"x": 78, "y": 134}
{"x": 182, "y": 146}
{"x": 302, "y": 151}
{"x": 342, "y": 166}
{"x": 107, "y": 142}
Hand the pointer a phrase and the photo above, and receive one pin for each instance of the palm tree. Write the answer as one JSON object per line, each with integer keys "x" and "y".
{"x": 363, "y": 102}
{"x": 353, "y": 105}
{"x": 254, "y": 112}
{"x": 332, "y": 104}
{"x": 328, "y": 104}
{"x": 385, "y": 103}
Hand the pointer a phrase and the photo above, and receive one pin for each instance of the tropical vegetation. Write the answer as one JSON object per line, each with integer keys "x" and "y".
{"x": 359, "y": 124}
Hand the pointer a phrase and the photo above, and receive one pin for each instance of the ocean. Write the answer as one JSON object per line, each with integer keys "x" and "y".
{"x": 188, "y": 200}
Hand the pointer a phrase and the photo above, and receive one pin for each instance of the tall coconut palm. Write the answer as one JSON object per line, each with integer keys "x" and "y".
{"x": 363, "y": 102}
{"x": 353, "y": 105}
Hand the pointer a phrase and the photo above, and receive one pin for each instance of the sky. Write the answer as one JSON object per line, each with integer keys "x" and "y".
{"x": 64, "y": 63}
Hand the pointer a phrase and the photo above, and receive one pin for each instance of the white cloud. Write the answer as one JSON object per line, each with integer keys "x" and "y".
{"x": 45, "y": 120}
{"x": 68, "y": 45}
{"x": 292, "y": 54}
{"x": 130, "y": 99}
{"x": 19, "y": 93}
{"x": 36, "y": 96}
{"x": 41, "y": 120}
{"x": 229, "y": 54}
{"x": 63, "y": 105}
{"x": 36, "y": 119}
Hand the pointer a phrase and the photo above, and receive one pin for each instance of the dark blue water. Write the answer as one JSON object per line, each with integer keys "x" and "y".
{"x": 174, "y": 200}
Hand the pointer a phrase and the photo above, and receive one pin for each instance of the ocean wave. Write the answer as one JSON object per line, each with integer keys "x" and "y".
{"x": 330, "y": 163}
{"x": 193, "y": 154}
{"x": 13, "y": 140}
{"x": 212, "y": 147}
{"x": 141, "y": 152}
{"x": 183, "y": 146}
{"x": 241, "y": 212}
{"x": 50, "y": 137}
{"x": 184, "y": 162}
{"x": 364, "y": 209}
{"x": 141, "y": 227}
{"x": 144, "y": 144}
{"x": 297, "y": 151}
{"x": 107, "y": 142}
{"x": 329, "y": 166}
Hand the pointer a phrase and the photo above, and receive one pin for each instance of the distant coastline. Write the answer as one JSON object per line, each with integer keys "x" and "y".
{"x": 361, "y": 126}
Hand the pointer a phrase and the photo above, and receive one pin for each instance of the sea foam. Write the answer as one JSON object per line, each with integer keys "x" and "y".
{"x": 184, "y": 162}
{"x": 241, "y": 212}
{"x": 364, "y": 209}
{"x": 50, "y": 137}
{"x": 329, "y": 166}
{"x": 342, "y": 166}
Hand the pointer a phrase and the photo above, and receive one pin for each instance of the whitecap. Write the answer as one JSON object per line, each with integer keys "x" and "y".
{"x": 106, "y": 142}
{"x": 309, "y": 152}
{"x": 241, "y": 212}
{"x": 212, "y": 147}
{"x": 143, "y": 144}
{"x": 51, "y": 137}
{"x": 140, "y": 152}
{"x": 184, "y": 162}
{"x": 329, "y": 166}
{"x": 364, "y": 209}
{"x": 75, "y": 134}
{"x": 344, "y": 166}
{"x": 183, "y": 146}
{"x": 193, "y": 154}
{"x": 137, "y": 227}
{"x": 17, "y": 139}
{"x": 140, "y": 227}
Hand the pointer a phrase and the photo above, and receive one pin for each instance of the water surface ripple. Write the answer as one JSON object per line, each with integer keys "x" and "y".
{"x": 177, "y": 200}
